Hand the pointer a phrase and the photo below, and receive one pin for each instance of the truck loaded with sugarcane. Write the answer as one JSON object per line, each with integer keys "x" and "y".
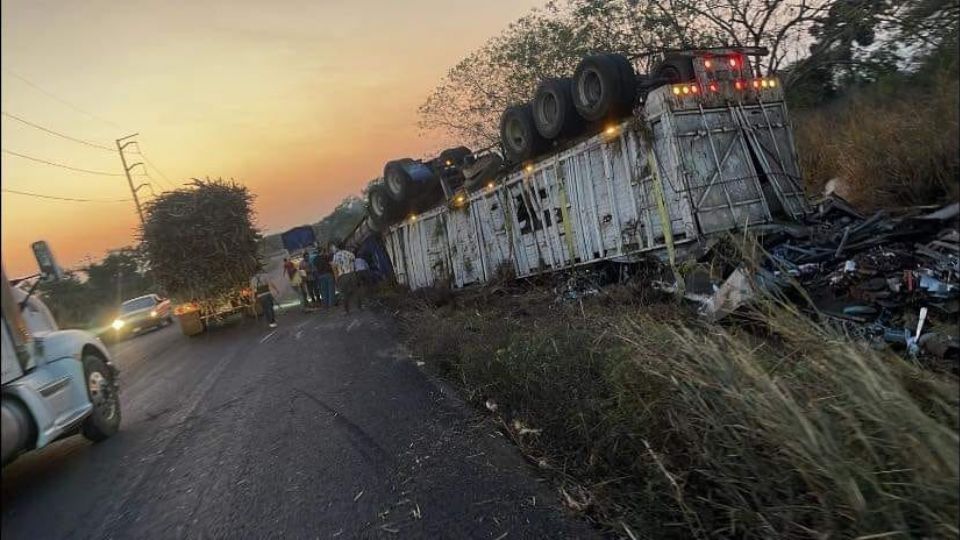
{"x": 202, "y": 247}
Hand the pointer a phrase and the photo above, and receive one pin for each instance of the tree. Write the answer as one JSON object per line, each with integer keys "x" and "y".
{"x": 468, "y": 101}
{"x": 84, "y": 304}
{"x": 544, "y": 43}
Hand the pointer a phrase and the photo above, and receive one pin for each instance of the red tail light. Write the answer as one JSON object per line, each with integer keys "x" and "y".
{"x": 734, "y": 62}
{"x": 714, "y": 87}
{"x": 739, "y": 85}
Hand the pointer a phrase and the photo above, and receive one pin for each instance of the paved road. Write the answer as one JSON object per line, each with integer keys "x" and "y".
{"x": 322, "y": 429}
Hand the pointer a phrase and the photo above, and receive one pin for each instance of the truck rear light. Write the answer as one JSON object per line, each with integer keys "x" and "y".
{"x": 758, "y": 82}
{"x": 739, "y": 85}
{"x": 734, "y": 62}
{"x": 708, "y": 63}
{"x": 714, "y": 87}
{"x": 685, "y": 89}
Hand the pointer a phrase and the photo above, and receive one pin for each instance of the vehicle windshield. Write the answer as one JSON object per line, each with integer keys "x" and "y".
{"x": 137, "y": 304}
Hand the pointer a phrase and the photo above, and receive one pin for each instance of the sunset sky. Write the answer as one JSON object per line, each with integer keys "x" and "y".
{"x": 301, "y": 101}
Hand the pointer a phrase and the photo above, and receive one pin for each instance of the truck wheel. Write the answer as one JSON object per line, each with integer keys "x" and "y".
{"x": 601, "y": 85}
{"x": 673, "y": 70}
{"x": 397, "y": 181}
{"x": 553, "y": 110}
{"x": 519, "y": 135}
{"x": 382, "y": 209}
{"x": 104, "y": 420}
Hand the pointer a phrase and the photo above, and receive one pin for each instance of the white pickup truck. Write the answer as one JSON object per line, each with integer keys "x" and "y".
{"x": 55, "y": 383}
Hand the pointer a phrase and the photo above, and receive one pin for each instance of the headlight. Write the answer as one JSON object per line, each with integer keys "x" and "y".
{"x": 153, "y": 313}
{"x": 117, "y": 324}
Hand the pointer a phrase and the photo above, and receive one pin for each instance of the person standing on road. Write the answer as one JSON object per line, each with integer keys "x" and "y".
{"x": 288, "y": 268}
{"x": 325, "y": 281}
{"x": 314, "y": 274}
{"x": 266, "y": 293}
{"x": 309, "y": 275}
{"x": 343, "y": 265}
{"x": 364, "y": 275}
{"x": 296, "y": 281}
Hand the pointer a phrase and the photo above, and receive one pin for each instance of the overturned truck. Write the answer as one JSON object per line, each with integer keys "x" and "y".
{"x": 605, "y": 166}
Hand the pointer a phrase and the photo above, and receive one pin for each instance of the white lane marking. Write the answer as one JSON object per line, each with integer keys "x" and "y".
{"x": 299, "y": 333}
{"x": 299, "y": 326}
{"x": 268, "y": 336}
{"x": 352, "y": 325}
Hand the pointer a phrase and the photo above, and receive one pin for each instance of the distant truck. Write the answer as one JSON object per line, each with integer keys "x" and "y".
{"x": 298, "y": 239}
{"x": 55, "y": 383}
{"x": 203, "y": 249}
{"x": 607, "y": 166}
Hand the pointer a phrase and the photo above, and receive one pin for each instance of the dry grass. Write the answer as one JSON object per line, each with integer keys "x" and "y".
{"x": 655, "y": 420}
{"x": 889, "y": 147}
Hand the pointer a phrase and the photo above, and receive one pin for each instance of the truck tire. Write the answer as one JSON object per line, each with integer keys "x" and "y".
{"x": 602, "y": 87}
{"x": 553, "y": 110}
{"x": 104, "y": 420}
{"x": 629, "y": 78}
{"x": 519, "y": 135}
{"x": 674, "y": 70}
{"x": 383, "y": 210}
{"x": 398, "y": 183}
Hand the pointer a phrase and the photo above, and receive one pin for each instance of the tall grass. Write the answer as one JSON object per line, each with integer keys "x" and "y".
{"x": 889, "y": 145}
{"x": 670, "y": 427}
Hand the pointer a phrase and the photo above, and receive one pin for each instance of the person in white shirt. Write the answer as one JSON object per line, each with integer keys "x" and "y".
{"x": 344, "y": 266}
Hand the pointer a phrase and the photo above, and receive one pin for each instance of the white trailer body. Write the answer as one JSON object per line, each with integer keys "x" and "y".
{"x": 682, "y": 168}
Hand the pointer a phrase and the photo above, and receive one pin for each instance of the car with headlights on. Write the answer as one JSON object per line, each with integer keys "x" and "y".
{"x": 142, "y": 313}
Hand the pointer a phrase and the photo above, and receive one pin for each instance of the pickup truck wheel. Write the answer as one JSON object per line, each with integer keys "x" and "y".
{"x": 519, "y": 135}
{"x": 104, "y": 420}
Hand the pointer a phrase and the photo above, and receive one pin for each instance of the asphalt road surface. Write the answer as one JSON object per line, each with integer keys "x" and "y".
{"x": 324, "y": 428}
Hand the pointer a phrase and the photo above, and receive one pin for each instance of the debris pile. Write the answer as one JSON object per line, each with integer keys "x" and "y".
{"x": 890, "y": 278}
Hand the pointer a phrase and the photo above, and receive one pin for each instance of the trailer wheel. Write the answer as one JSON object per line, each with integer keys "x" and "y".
{"x": 104, "y": 420}
{"x": 383, "y": 210}
{"x": 519, "y": 135}
{"x": 673, "y": 70}
{"x": 553, "y": 110}
{"x": 397, "y": 181}
{"x": 602, "y": 87}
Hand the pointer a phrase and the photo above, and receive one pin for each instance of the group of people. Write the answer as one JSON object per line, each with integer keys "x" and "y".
{"x": 316, "y": 278}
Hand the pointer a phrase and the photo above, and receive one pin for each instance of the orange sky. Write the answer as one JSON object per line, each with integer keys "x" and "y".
{"x": 302, "y": 101}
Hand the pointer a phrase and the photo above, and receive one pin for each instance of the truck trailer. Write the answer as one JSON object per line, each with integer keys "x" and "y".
{"x": 706, "y": 148}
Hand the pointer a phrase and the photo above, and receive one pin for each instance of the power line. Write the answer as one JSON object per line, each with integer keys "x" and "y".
{"x": 61, "y": 100}
{"x": 162, "y": 175}
{"x": 56, "y": 198}
{"x": 62, "y": 166}
{"x": 57, "y": 133}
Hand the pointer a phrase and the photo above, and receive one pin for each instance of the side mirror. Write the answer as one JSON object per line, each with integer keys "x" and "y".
{"x": 49, "y": 269}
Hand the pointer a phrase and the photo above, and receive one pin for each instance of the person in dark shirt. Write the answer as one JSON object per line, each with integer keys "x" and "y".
{"x": 321, "y": 262}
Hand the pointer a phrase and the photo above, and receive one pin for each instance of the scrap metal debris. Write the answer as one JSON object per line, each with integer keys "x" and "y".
{"x": 892, "y": 278}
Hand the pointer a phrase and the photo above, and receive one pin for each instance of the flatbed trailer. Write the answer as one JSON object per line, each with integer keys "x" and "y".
{"x": 693, "y": 161}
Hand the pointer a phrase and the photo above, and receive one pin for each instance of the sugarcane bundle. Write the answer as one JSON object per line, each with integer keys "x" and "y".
{"x": 201, "y": 242}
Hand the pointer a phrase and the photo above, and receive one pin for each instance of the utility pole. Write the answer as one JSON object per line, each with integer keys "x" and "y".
{"x": 127, "y": 169}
